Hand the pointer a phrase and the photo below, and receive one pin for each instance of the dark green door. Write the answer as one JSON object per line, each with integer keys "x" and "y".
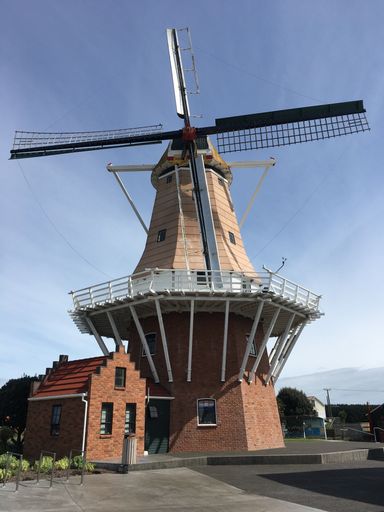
{"x": 157, "y": 426}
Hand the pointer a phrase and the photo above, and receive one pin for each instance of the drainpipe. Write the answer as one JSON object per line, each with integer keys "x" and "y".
{"x": 85, "y": 421}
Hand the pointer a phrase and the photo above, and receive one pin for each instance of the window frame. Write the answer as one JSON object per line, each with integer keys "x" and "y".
{"x": 103, "y": 424}
{"x": 161, "y": 235}
{"x": 143, "y": 354}
{"x": 253, "y": 351}
{"x": 232, "y": 237}
{"x": 199, "y": 424}
{"x": 133, "y": 405}
{"x": 55, "y": 427}
{"x": 117, "y": 385}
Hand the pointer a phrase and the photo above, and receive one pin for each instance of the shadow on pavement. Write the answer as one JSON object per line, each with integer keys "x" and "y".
{"x": 359, "y": 484}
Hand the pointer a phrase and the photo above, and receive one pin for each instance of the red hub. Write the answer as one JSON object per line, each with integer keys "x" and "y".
{"x": 189, "y": 134}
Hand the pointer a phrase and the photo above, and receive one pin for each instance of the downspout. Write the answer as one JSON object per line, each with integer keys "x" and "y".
{"x": 85, "y": 422}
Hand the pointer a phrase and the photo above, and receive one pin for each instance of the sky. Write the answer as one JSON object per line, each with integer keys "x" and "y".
{"x": 93, "y": 65}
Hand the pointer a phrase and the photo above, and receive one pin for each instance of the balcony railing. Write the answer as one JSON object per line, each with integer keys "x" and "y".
{"x": 155, "y": 281}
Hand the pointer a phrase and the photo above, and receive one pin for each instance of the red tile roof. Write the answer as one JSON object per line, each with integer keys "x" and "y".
{"x": 69, "y": 378}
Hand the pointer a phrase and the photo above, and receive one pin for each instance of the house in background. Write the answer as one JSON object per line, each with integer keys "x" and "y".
{"x": 318, "y": 406}
{"x": 90, "y": 404}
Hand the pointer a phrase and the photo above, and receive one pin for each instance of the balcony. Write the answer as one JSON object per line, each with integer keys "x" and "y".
{"x": 175, "y": 283}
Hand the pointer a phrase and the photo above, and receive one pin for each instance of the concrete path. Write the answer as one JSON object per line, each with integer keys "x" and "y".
{"x": 172, "y": 490}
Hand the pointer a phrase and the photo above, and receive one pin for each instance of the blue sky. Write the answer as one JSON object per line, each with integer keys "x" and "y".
{"x": 93, "y": 65}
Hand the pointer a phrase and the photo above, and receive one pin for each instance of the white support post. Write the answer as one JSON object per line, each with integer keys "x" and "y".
{"x": 288, "y": 352}
{"x": 130, "y": 201}
{"x": 252, "y": 200}
{"x": 116, "y": 334}
{"x": 250, "y": 340}
{"x": 279, "y": 349}
{"x": 225, "y": 341}
{"x": 263, "y": 345}
{"x": 97, "y": 336}
{"x": 164, "y": 340}
{"x": 189, "y": 372}
{"x": 144, "y": 343}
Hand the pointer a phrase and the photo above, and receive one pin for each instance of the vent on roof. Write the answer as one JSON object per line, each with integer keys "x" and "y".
{"x": 63, "y": 358}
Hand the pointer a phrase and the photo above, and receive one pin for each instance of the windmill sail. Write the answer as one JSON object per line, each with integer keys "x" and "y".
{"x": 292, "y": 126}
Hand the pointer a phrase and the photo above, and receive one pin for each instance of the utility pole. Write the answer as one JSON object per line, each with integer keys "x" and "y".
{"x": 330, "y": 415}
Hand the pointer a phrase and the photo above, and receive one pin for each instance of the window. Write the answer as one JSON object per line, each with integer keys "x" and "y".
{"x": 161, "y": 235}
{"x": 106, "y": 418}
{"x": 120, "y": 377}
{"x": 151, "y": 341}
{"x": 169, "y": 178}
{"x": 130, "y": 418}
{"x": 253, "y": 351}
{"x": 232, "y": 238}
{"x": 201, "y": 278}
{"x": 55, "y": 420}
{"x": 206, "y": 411}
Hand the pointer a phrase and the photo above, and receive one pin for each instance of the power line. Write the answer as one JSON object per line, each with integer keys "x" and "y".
{"x": 304, "y": 204}
{"x": 258, "y": 77}
{"x": 56, "y": 228}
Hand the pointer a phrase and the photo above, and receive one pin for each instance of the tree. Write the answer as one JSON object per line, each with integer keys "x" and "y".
{"x": 294, "y": 403}
{"x": 13, "y": 406}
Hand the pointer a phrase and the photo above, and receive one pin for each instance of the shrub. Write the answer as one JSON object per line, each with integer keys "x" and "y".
{"x": 62, "y": 463}
{"x": 4, "y": 475}
{"x": 13, "y": 462}
{"x": 45, "y": 465}
{"x": 77, "y": 463}
{"x": 25, "y": 465}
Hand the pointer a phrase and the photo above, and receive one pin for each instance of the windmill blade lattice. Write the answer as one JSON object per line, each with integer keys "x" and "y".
{"x": 293, "y": 126}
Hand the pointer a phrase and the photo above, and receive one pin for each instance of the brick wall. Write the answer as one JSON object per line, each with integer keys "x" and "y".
{"x": 247, "y": 416}
{"x": 38, "y": 432}
{"x": 102, "y": 389}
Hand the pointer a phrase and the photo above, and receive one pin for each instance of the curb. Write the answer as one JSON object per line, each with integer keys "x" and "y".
{"x": 344, "y": 457}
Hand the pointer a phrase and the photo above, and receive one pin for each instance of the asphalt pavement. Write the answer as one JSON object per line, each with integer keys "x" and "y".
{"x": 174, "y": 490}
{"x": 352, "y": 487}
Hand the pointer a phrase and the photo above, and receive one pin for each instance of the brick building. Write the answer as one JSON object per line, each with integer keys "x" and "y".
{"x": 89, "y": 404}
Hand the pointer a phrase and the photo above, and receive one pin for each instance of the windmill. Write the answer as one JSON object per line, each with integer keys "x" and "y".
{"x": 194, "y": 288}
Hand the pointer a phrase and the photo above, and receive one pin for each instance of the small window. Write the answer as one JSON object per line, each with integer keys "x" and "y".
{"x": 130, "y": 418}
{"x": 55, "y": 420}
{"x": 232, "y": 238}
{"x": 201, "y": 278}
{"x": 253, "y": 346}
{"x": 161, "y": 235}
{"x": 151, "y": 341}
{"x": 153, "y": 412}
{"x": 206, "y": 411}
{"x": 120, "y": 377}
{"x": 106, "y": 418}
{"x": 169, "y": 178}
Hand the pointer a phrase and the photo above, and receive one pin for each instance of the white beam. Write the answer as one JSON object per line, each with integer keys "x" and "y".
{"x": 130, "y": 168}
{"x": 130, "y": 201}
{"x": 97, "y": 336}
{"x": 189, "y": 372}
{"x": 251, "y": 164}
{"x": 279, "y": 349}
{"x": 116, "y": 334}
{"x": 263, "y": 345}
{"x": 288, "y": 352}
{"x": 164, "y": 340}
{"x": 250, "y": 340}
{"x": 225, "y": 340}
{"x": 253, "y": 197}
{"x": 144, "y": 343}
